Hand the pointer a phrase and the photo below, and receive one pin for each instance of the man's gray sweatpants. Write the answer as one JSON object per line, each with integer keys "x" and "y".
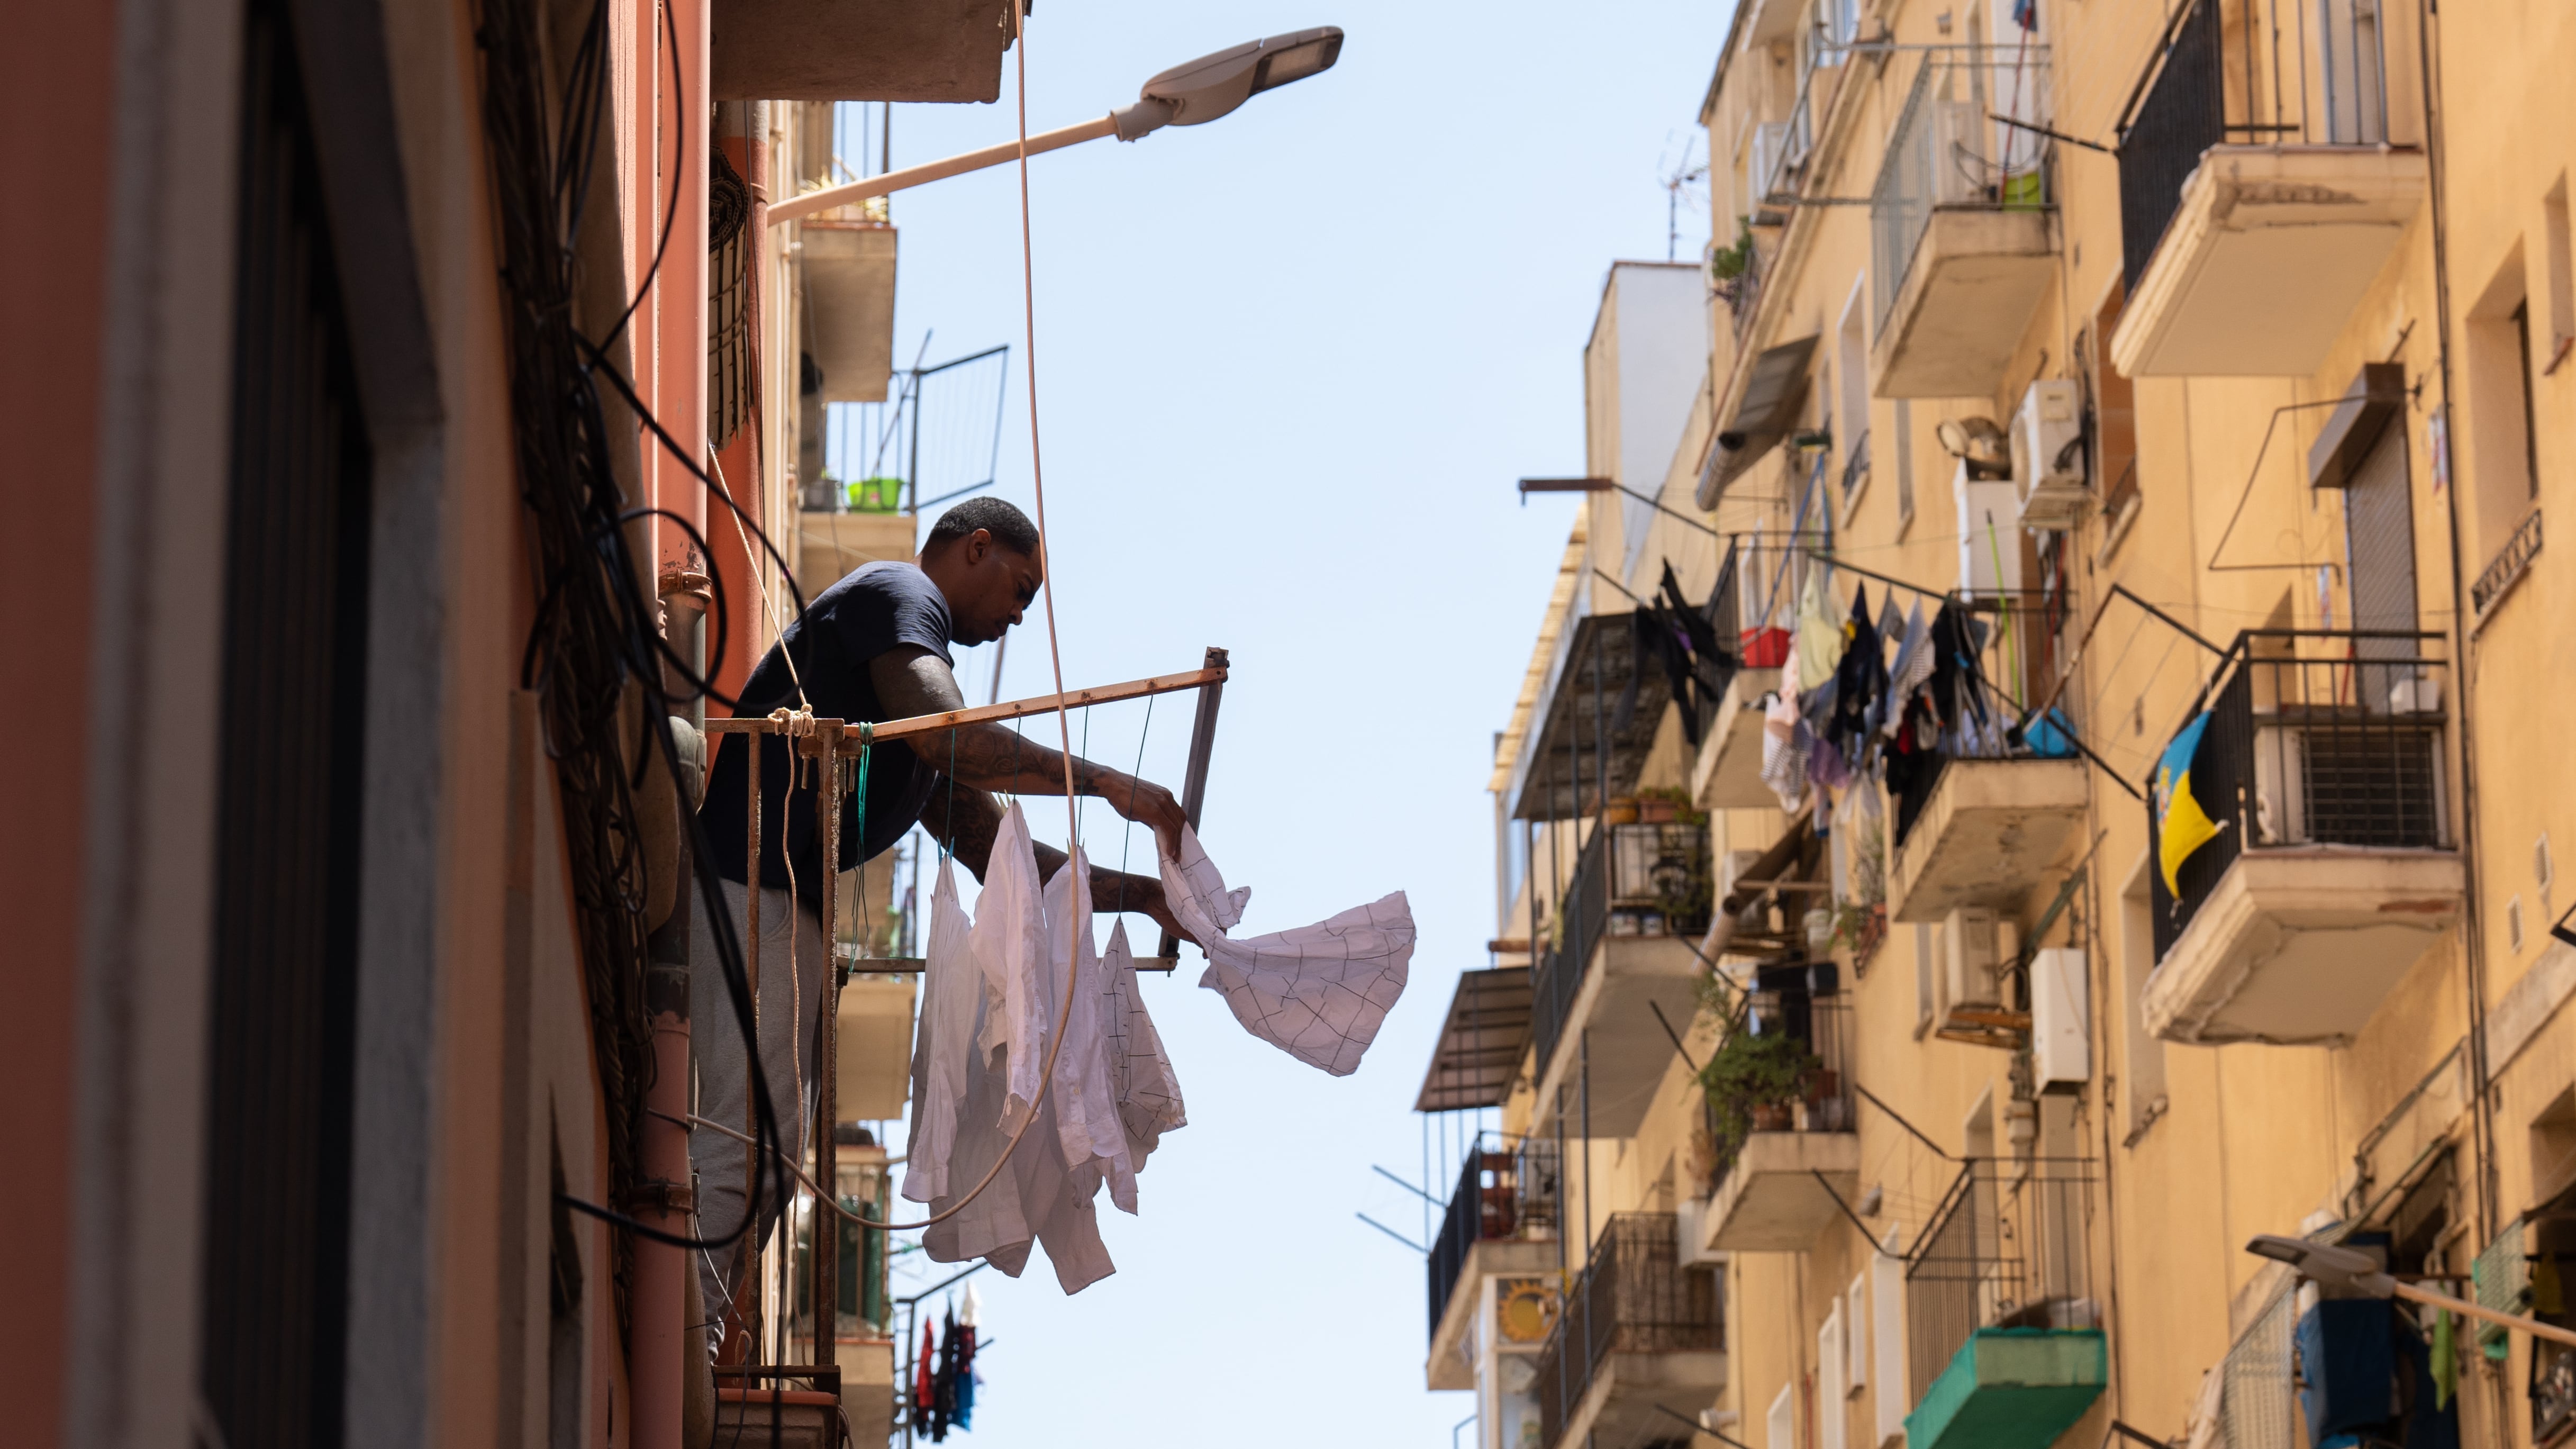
{"x": 790, "y": 1009}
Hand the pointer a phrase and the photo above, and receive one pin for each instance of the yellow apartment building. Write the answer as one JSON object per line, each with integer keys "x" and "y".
{"x": 2038, "y": 764}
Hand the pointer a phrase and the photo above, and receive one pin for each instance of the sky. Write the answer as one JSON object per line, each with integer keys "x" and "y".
{"x": 1288, "y": 367}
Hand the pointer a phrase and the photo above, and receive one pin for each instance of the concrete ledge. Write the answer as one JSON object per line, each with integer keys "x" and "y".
{"x": 1629, "y": 1050}
{"x": 1772, "y": 1202}
{"x": 1450, "y": 1365}
{"x": 2260, "y": 269}
{"x": 1620, "y": 1405}
{"x": 1975, "y": 278}
{"x": 1983, "y": 838}
{"x": 2011, "y": 1388}
{"x": 2299, "y": 947}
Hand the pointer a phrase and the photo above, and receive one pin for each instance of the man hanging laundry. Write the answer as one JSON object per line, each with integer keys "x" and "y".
{"x": 872, "y": 647}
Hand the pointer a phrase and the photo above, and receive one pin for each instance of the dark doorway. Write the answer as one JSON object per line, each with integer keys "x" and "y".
{"x": 289, "y": 720}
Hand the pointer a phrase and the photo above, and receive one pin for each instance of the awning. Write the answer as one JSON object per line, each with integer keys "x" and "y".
{"x": 1480, "y": 1043}
{"x": 1579, "y": 734}
{"x": 1773, "y": 393}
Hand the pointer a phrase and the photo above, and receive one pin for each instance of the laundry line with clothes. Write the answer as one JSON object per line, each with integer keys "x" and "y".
{"x": 1037, "y": 1074}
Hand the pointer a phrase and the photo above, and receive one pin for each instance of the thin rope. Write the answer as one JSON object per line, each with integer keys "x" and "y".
{"x": 1055, "y": 657}
{"x": 769, "y": 605}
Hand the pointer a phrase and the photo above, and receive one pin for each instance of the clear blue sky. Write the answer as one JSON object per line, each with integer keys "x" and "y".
{"x": 1288, "y": 366}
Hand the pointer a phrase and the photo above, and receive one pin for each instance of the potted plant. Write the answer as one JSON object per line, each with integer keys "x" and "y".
{"x": 1754, "y": 1080}
{"x": 1622, "y": 810}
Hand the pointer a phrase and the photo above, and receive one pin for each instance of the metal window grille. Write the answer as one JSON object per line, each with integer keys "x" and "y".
{"x": 1502, "y": 1192}
{"x": 2258, "y": 1389}
{"x": 1948, "y": 150}
{"x": 2006, "y": 1248}
{"x": 2315, "y": 738}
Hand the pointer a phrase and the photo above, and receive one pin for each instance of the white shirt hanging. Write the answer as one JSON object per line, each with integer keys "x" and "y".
{"x": 952, "y": 1003}
{"x": 1010, "y": 939}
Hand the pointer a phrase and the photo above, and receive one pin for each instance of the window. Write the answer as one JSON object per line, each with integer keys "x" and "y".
{"x": 1856, "y": 1327}
{"x": 1851, "y": 384}
{"x": 1780, "y": 1426}
{"x": 1927, "y": 975}
{"x": 1831, "y": 1412}
{"x": 2562, "y": 278}
{"x": 1887, "y": 1327}
{"x": 2144, "y": 1068}
{"x": 2502, "y": 458}
{"x": 2115, "y": 420}
{"x": 1903, "y": 448}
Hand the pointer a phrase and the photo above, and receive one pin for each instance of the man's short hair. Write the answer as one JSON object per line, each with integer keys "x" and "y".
{"x": 1008, "y": 525}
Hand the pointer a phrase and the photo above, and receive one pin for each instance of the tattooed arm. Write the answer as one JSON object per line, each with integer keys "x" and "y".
{"x": 983, "y": 757}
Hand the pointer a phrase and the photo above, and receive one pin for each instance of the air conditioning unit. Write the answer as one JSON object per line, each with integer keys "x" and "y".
{"x": 1978, "y": 944}
{"x": 2059, "y": 1032}
{"x": 2048, "y": 456}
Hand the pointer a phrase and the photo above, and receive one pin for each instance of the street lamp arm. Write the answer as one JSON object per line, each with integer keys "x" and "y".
{"x": 2467, "y": 1309}
{"x": 831, "y": 196}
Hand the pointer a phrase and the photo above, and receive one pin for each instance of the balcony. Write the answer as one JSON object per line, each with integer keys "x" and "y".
{"x": 870, "y": 50}
{"x": 2325, "y": 767}
{"x": 1641, "y": 1339}
{"x": 1977, "y": 824}
{"x": 2003, "y": 1344}
{"x": 1500, "y": 1227}
{"x": 1786, "y": 1153}
{"x": 1726, "y": 774}
{"x": 848, "y": 278}
{"x": 2260, "y": 196}
{"x": 1620, "y": 951}
{"x": 1963, "y": 228}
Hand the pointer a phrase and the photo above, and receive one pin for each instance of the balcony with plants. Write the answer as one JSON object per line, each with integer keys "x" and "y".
{"x": 1781, "y": 1113}
{"x": 2301, "y": 829}
{"x": 2265, "y": 178}
{"x": 1963, "y": 223}
{"x": 1497, "y": 1237}
{"x": 1640, "y": 1347}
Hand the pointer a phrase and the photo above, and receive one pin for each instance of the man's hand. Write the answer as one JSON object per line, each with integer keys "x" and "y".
{"x": 1144, "y": 802}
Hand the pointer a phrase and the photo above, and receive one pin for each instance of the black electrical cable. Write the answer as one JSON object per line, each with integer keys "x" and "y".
{"x": 595, "y": 640}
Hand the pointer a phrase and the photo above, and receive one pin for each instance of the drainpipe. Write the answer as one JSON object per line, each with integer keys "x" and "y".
{"x": 680, "y": 288}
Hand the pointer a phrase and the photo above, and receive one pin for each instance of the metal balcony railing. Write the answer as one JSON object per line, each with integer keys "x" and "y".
{"x": 2315, "y": 738}
{"x": 2006, "y": 1248}
{"x": 1820, "y": 1022}
{"x": 2263, "y": 72}
{"x": 1633, "y": 1297}
{"x": 2000, "y": 650}
{"x": 1504, "y": 1192}
{"x": 1953, "y": 147}
{"x": 1581, "y": 919}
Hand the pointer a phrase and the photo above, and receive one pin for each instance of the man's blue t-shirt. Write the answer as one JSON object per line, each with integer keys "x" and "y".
{"x": 878, "y": 607}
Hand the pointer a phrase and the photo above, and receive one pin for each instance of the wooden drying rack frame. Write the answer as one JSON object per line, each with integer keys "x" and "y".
{"x": 835, "y": 745}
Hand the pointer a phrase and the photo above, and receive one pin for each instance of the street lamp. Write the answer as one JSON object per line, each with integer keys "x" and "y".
{"x": 2353, "y": 1270}
{"x": 1608, "y": 485}
{"x": 1190, "y": 94}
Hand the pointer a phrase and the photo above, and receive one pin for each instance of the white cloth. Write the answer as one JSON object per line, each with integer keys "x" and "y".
{"x": 1086, "y": 1101}
{"x": 952, "y": 1001}
{"x": 1011, "y": 946}
{"x": 1786, "y": 743}
{"x": 1149, "y": 1095}
{"x": 1318, "y": 993}
{"x": 1042, "y": 1195}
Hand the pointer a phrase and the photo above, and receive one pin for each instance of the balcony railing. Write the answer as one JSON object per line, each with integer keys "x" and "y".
{"x": 1950, "y": 150}
{"x": 1504, "y": 1192}
{"x": 2263, "y": 72}
{"x": 2006, "y": 1249}
{"x": 1576, "y": 928}
{"x": 1821, "y": 1022}
{"x": 1630, "y": 881}
{"x": 2507, "y": 568}
{"x": 2314, "y": 738}
{"x": 2004, "y": 644}
{"x": 1633, "y": 1297}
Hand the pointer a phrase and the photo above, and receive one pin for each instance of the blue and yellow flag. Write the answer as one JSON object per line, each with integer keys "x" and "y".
{"x": 2181, "y": 825}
